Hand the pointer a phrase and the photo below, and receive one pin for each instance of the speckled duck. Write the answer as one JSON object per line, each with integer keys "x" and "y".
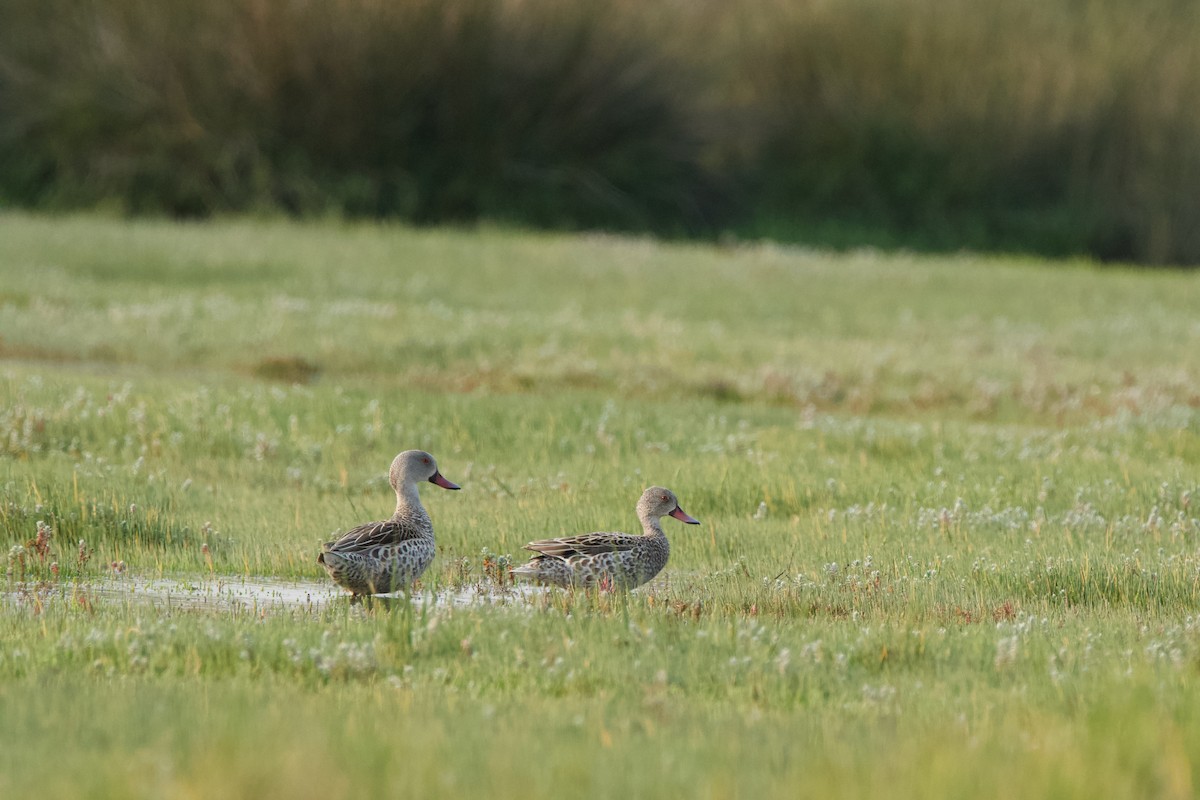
{"x": 385, "y": 556}
{"x": 608, "y": 560}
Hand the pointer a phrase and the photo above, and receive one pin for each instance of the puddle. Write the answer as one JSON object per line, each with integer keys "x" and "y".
{"x": 252, "y": 594}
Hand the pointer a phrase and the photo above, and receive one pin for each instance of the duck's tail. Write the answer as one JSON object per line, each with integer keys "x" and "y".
{"x": 529, "y": 571}
{"x": 330, "y": 560}
{"x": 326, "y": 548}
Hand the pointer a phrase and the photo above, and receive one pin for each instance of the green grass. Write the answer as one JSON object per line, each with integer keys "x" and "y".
{"x": 949, "y": 507}
{"x": 937, "y": 125}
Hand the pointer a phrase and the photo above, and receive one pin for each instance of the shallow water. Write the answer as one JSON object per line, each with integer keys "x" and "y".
{"x": 251, "y": 594}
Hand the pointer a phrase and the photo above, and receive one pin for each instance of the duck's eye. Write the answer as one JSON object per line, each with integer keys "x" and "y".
{"x": 665, "y": 498}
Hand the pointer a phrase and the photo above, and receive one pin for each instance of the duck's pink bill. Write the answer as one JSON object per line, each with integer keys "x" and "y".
{"x": 442, "y": 482}
{"x": 680, "y": 514}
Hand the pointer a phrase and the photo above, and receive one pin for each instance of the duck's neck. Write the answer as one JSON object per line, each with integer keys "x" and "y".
{"x": 652, "y": 526}
{"x": 407, "y": 498}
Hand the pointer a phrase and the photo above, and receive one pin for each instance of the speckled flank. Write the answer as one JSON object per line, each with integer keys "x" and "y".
{"x": 608, "y": 560}
{"x": 384, "y": 556}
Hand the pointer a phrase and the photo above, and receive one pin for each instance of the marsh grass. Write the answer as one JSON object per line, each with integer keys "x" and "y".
{"x": 530, "y": 110}
{"x": 949, "y": 539}
{"x": 949, "y": 124}
{"x": 1060, "y": 128}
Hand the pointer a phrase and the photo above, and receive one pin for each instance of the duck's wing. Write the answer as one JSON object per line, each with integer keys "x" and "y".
{"x": 372, "y": 534}
{"x": 588, "y": 544}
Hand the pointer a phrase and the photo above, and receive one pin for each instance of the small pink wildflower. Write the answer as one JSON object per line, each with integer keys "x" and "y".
{"x": 41, "y": 543}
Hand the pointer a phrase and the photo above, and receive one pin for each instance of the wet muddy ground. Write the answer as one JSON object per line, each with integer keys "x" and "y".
{"x": 250, "y": 594}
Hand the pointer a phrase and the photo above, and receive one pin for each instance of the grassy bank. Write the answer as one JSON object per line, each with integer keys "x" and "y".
{"x": 1060, "y": 128}
{"x": 949, "y": 515}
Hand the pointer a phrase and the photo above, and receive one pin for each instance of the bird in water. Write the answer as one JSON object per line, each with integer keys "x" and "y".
{"x": 384, "y": 556}
{"x": 608, "y": 560}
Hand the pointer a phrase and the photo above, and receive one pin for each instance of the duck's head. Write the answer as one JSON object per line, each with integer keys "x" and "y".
{"x": 659, "y": 502}
{"x": 413, "y": 466}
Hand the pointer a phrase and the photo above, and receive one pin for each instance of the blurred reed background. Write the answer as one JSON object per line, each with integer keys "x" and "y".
{"x": 1064, "y": 127}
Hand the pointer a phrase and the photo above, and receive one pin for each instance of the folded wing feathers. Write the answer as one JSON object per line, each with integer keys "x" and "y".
{"x": 372, "y": 534}
{"x": 588, "y": 544}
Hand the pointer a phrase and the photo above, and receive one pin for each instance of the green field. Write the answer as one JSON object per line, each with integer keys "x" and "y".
{"x": 950, "y": 516}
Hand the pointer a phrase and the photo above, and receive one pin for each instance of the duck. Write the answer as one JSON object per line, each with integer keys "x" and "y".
{"x": 608, "y": 560}
{"x": 385, "y": 556}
